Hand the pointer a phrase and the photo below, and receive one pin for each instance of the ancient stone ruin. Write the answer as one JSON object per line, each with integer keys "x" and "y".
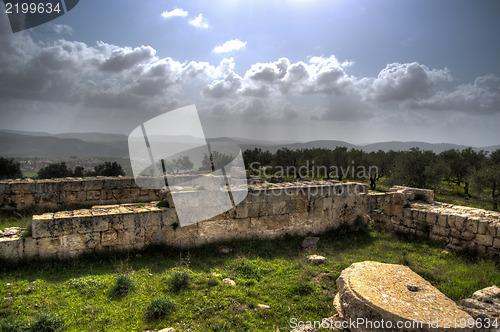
{"x": 133, "y": 220}
{"x": 124, "y": 217}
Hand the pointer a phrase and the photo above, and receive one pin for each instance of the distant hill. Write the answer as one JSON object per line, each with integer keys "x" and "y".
{"x": 19, "y": 146}
{"x": 38, "y": 144}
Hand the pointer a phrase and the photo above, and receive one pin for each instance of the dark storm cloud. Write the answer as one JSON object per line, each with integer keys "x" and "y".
{"x": 123, "y": 59}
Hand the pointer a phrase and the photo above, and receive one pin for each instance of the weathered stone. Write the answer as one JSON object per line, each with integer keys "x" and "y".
{"x": 483, "y": 305}
{"x": 484, "y": 240}
{"x": 229, "y": 281}
{"x": 12, "y": 231}
{"x": 310, "y": 243}
{"x": 375, "y": 291}
{"x": 11, "y": 248}
{"x": 316, "y": 258}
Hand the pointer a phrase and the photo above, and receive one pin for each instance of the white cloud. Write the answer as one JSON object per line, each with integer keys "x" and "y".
{"x": 62, "y": 29}
{"x": 229, "y": 46}
{"x": 406, "y": 81}
{"x": 199, "y": 22}
{"x": 178, "y": 12}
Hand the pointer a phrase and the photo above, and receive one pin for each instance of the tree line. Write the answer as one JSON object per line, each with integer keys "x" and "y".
{"x": 415, "y": 168}
{"x": 10, "y": 169}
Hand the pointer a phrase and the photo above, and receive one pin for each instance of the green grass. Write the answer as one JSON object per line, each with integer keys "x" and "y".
{"x": 275, "y": 273}
{"x": 14, "y": 219}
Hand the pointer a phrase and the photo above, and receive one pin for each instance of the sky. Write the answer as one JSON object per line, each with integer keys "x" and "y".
{"x": 361, "y": 71}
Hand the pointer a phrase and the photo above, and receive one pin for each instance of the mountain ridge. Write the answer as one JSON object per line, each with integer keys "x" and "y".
{"x": 17, "y": 144}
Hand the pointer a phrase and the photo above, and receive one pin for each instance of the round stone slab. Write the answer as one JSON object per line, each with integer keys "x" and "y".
{"x": 381, "y": 296}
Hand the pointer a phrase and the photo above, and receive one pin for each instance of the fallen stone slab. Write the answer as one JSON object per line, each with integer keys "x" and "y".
{"x": 393, "y": 297}
{"x": 484, "y": 305}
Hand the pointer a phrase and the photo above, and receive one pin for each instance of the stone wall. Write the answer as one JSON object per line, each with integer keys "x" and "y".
{"x": 75, "y": 192}
{"x": 463, "y": 228}
{"x": 266, "y": 213}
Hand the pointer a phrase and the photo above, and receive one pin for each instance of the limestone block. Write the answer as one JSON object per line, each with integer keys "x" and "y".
{"x": 93, "y": 195}
{"x": 23, "y": 187}
{"x": 436, "y": 237}
{"x": 407, "y": 213}
{"x": 112, "y": 183}
{"x": 388, "y": 292}
{"x": 492, "y": 229}
{"x": 184, "y": 236}
{"x": 484, "y": 240}
{"x": 467, "y": 236}
{"x": 80, "y": 241}
{"x": 419, "y": 215}
{"x": 169, "y": 217}
{"x": 408, "y": 222}
{"x": 153, "y": 234}
{"x": 482, "y": 227}
{"x": 47, "y": 247}
{"x": 496, "y": 243}
{"x": 254, "y": 209}
{"x": 443, "y": 231}
{"x": 241, "y": 210}
{"x": 295, "y": 206}
{"x": 271, "y": 222}
{"x": 93, "y": 184}
{"x": 135, "y": 192}
{"x": 442, "y": 220}
{"x": 49, "y": 225}
{"x": 279, "y": 208}
{"x": 90, "y": 224}
{"x": 454, "y": 233}
{"x": 224, "y": 229}
{"x": 127, "y": 237}
{"x": 484, "y": 303}
{"x": 431, "y": 218}
{"x": 109, "y": 238}
{"x": 11, "y": 248}
{"x": 122, "y": 221}
{"x": 471, "y": 225}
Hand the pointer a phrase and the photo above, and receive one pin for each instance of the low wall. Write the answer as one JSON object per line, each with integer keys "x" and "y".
{"x": 76, "y": 192}
{"x": 461, "y": 227}
{"x": 264, "y": 214}
{"x": 57, "y": 194}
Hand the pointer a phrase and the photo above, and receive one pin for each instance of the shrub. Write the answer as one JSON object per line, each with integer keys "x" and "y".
{"x": 179, "y": 280}
{"x": 47, "y": 323}
{"x": 11, "y": 326}
{"x": 9, "y": 169}
{"x": 248, "y": 269}
{"x": 86, "y": 285}
{"x": 160, "y": 307}
{"x": 123, "y": 284}
{"x": 59, "y": 170}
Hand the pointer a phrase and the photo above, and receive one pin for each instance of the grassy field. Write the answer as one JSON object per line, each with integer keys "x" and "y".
{"x": 163, "y": 287}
